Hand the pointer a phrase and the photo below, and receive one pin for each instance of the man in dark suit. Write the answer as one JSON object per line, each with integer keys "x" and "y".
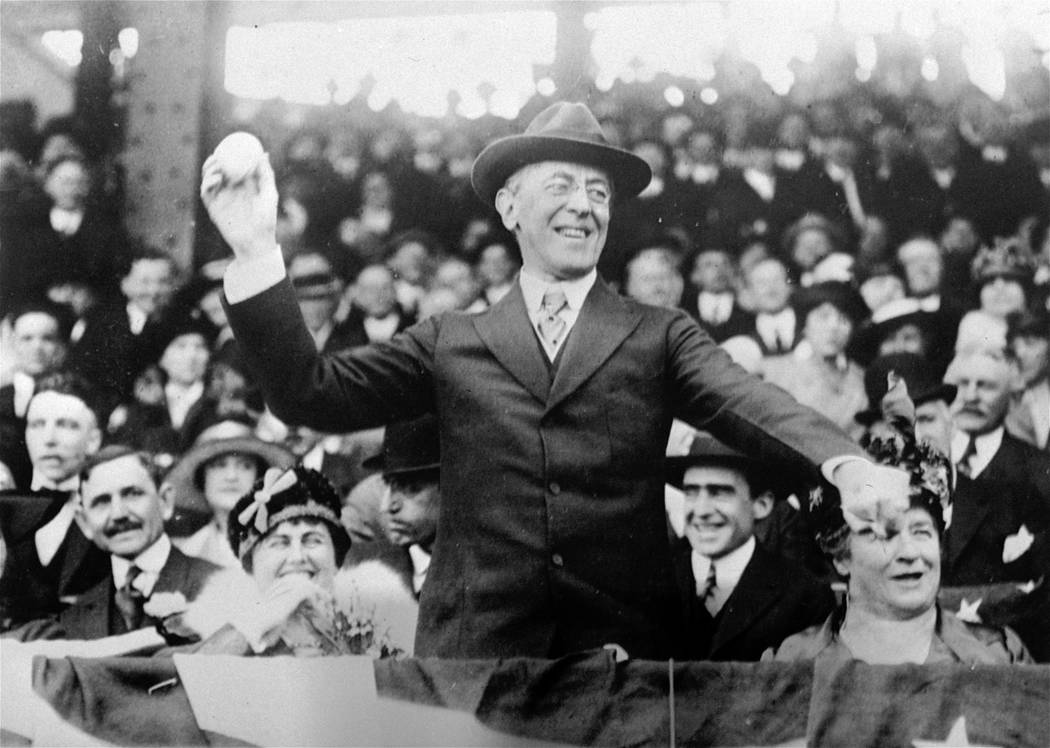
{"x": 710, "y": 298}
{"x": 401, "y": 520}
{"x": 554, "y": 406}
{"x": 1003, "y": 484}
{"x": 776, "y": 326}
{"x": 119, "y": 340}
{"x": 740, "y": 599}
{"x": 49, "y": 559}
{"x": 375, "y": 314}
{"x": 124, "y": 512}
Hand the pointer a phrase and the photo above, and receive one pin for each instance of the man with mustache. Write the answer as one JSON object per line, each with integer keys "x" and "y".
{"x": 123, "y": 511}
{"x": 739, "y": 597}
{"x": 1002, "y": 484}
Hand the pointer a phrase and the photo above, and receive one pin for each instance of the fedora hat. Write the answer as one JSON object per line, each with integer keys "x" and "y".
{"x": 565, "y": 131}
{"x": 705, "y": 450}
{"x": 918, "y": 375}
{"x": 408, "y": 447}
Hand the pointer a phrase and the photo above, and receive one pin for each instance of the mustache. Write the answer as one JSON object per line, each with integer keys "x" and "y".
{"x": 121, "y": 525}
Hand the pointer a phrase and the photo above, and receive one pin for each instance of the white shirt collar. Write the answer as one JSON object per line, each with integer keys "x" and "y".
{"x": 576, "y": 290}
{"x": 180, "y": 399}
{"x": 49, "y": 537}
{"x": 151, "y": 561}
{"x": 420, "y": 566}
{"x": 986, "y": 444}
{"x": 136, "y": 318}
{"x": 66, "y": 221}
{"x": 381, "y": 328}
{"x": 24, "y": 386}
{"x": 42, "y": 482}
{"x": 728, "y": 570}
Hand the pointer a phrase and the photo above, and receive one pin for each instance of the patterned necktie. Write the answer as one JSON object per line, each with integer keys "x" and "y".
{"x": 129, "y": 600}
{"x": 551, "y": 325}
{"x": 963, "y": 465}
{"x": 707, "y": 594}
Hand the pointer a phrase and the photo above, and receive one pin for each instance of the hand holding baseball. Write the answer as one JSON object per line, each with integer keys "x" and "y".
{"x": 239, "y": 190}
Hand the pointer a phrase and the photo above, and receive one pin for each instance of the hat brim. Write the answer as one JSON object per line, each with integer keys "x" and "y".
{"x": 189, "y": 498}
{"x": 494, "y": 165}
{"x": 378, "y": 462}
{"x": 675, "y": 467}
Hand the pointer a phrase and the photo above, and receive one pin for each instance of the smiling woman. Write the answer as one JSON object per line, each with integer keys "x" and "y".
{"x": 892, "y": 567}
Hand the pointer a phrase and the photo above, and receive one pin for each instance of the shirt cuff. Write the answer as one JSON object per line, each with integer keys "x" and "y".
{"x": 247, "y": 278}
{"x": 829, "y": 466}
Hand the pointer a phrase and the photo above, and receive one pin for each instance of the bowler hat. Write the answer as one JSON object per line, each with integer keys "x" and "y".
{"x": 890, "y": 317}
{"x": 918, "y": 375}
{"x": 565, "y": 131}
{"x": 705, "y": 450}
{"x": 408, "y": 447}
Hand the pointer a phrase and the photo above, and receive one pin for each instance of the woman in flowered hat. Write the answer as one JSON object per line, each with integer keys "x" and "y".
{"x": 1005, "y": 278}
{"x": 891, "y": 560}
{"x": 289, "y": 539}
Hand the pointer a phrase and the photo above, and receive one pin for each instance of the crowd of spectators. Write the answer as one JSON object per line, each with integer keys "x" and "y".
{"x": 823, "y": 248}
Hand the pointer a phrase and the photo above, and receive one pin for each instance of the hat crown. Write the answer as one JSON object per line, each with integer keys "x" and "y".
{"x": 567, "y": 119}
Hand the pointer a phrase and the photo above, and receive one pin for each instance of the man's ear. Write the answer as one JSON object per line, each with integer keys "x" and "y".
{"x": 166, "y": 492}
{"x": 762, "y": 505}
{"x": 506, "y": 206}
{"x": 841, "y": 567}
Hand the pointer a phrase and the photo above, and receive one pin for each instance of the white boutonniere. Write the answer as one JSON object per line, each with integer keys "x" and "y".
{"x": 968, "y": 611}
{"x": 1017, "y": 545}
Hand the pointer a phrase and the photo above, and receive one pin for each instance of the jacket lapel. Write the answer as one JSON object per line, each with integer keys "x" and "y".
{"x": 756, "y": 591}
{"x": 604, "y": 322}
{"x": 507, "y": 332}
{"x": 969, "y": 508}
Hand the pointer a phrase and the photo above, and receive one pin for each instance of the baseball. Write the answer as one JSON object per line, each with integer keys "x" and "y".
{"x": 237, "y": 155}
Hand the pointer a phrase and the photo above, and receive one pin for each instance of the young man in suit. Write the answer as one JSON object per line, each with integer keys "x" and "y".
{"x": 49, "y": 560}
{"x": 553, "y": 406}
{"x": 124, "y": 511}
{"x": 740, "y": 598}
{"x": 711, "y": 298}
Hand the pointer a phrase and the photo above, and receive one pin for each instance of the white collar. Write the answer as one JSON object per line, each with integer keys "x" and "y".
{"x": 43, "y": 483}
{"x": 986, "y": 444}
{"x": 49, "y": 538}
{"x": 728, "y": 569}
{"x": 24, "y": 386}
{"x": 576, "y": 290}
{"x": 764, "y": 184}
{"x": 150, "y": 561}
{"x": 136, "y": 318}
{"x": 420, "y": 565}
{"x": 381, "y": 328}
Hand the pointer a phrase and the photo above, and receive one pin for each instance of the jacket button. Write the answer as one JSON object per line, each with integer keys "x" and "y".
{"x": 557, "y": 560}
{"x": 555, "y": 488}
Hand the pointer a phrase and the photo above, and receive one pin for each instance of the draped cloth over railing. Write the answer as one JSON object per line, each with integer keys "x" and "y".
{"x": 587, "y": 699}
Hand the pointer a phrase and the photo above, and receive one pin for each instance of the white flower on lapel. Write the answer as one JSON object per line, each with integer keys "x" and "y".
{"x": 968, "y": 611}
{"x": 1017, "y": 544}
{"x": 948, "y": 515}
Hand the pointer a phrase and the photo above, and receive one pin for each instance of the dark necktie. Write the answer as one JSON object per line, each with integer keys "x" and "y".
{"x": 963, "y": 465}
{"x": 707, "y": 594}
{"x": 130, "y": 600}
{"x": 551, "y": 325}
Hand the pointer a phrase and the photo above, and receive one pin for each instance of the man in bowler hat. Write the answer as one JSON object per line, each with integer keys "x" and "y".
{"x": 553, "y": 406}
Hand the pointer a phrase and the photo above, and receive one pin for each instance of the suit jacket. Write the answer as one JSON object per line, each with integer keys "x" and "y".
{"x": 95, "y": 615}
{"x": 774, "y": 599}
{"x": 989, "y": 509}
{"x": 552, "y": 536}
{"x": 28, "y": 589}
{"x": 351, "y": 332}
{"x": 13, "y": 439}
